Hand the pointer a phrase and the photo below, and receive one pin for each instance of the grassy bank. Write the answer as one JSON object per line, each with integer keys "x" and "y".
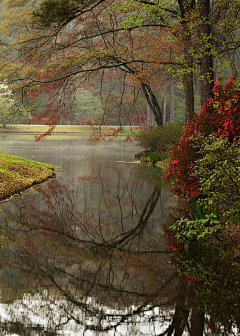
{"x": 17, "y": 174}
{"x": 36, "y": 129}
{"x": 60, "y": 129}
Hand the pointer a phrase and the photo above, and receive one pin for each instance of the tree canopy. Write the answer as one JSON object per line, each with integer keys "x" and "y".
{"x": 61, "y": 46}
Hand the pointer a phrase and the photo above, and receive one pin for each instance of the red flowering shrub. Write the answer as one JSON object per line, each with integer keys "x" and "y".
{"x": 219, "y": 116}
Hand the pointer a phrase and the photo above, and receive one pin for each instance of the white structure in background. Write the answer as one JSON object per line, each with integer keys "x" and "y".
{"x": 6, "y": 93}
{"x": 6, "y": 103}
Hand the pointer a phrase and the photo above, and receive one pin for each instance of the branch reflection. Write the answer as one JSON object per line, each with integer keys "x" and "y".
{"x": 99, "y": 265}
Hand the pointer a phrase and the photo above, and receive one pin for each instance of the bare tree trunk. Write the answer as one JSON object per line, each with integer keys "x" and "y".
{"x": 165, "y": 106}
{"x": 206, "y": 65}
{"x": 172, "y": 109}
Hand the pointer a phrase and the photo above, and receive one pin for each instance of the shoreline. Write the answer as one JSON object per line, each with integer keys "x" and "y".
{"x": 25, "y": 191}
{"x": 61, "y": 129}
{"x": 18, "y": 175}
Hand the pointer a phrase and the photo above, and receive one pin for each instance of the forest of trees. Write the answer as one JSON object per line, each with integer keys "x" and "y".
{"x": 111, "y": 62}
{"x": 129, "y": 57}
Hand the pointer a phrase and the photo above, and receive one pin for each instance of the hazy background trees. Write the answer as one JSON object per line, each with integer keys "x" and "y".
{"x": 136, "y": 56}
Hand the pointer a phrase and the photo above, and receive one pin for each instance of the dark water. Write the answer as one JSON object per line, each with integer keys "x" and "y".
{"x": 89, "y": 254}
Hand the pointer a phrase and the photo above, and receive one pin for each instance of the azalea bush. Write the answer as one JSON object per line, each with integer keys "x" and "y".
{"x": 219, "y": 117}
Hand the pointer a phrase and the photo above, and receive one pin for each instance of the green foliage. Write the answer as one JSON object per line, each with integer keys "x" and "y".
{"x": 160, "y": 138}
{"x": 218, "y": 172}
{"x": 179, "y": 104}
{"x": 154, "y": 157}
{"x": 163, "y": 157}
{"x": 197, "y": 211}
{"x": 200, "y": 229}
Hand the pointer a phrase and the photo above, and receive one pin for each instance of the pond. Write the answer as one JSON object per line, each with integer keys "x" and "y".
{"x": 89, "y": 253}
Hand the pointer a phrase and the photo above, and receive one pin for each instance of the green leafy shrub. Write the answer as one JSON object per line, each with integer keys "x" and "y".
{"x": 197, "y": 211}
{"x": 188, "y": 231}
{"x": 218, "y": 174}
{"x": 198, "y": 224}
{"x": 218, "y": 204}
{"x": 160, "y": 138}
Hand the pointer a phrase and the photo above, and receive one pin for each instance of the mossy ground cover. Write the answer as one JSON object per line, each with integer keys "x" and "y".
{"x": 18, "y": 174}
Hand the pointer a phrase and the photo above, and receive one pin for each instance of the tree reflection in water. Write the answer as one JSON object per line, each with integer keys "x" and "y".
{"x": 98, "y": 264}
{"x": 104, "y": 268}
{"x": 216, "y": 290}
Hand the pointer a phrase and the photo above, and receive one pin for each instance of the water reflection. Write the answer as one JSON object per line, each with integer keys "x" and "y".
{"x": 215, "y": 291}
{"x": 90, "y": 254}
{"x": 99, "y": 265}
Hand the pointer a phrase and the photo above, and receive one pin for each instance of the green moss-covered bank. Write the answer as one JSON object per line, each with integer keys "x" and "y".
{"x": 18, "y": 174}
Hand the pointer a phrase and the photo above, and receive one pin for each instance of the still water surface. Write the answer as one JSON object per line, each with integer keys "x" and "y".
{"x": 87, "y": 253}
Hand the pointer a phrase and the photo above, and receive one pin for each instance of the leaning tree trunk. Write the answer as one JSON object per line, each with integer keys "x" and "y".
{"x": 206, "y": 64}
{"x": 153, "y": 103}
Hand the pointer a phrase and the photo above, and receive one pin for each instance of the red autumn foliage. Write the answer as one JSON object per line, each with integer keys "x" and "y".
{"x": 219, "y": 116}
